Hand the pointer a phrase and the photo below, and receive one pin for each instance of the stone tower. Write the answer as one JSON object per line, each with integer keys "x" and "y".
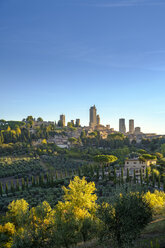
{"x": 131, "y": 126}
{"x": 92, "y": 117}
{"x": 62, "y": 119}
{"x": 98, "y": 119}
{"x": 122, "y": 127}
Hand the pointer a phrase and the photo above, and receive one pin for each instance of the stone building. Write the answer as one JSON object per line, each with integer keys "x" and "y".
{"x": 92, "y": 117}
{"x": 62, "y": 119}
{"x": 137, "y": 130}
{"x": 77, "y": 122}
{"x": 122, "y": 127}
{"x": 98, "y": 119}
{"x": 137, "y": 165}
{"x": 131, "y": 126}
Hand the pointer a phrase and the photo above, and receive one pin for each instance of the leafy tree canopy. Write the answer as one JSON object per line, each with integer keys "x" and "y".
{"x": 105, "y": 158}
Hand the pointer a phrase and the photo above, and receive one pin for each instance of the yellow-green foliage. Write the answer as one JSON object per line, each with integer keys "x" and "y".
{"x": 156, "y": 172}
{"x": 17, "y": 210}
{"x": 8, "y": 229}
{"x": 17, "y": 207}
{"x": 6, "y": 233}
{"x": 44, "y": 141}
{"x": 156, "y": 200}
{"x": 80, "y": 196}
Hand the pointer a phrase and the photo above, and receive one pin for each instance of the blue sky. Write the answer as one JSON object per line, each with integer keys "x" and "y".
{"x": 62, "y": 56}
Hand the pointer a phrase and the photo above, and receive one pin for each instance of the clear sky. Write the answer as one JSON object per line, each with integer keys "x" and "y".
{"x": 62, "y": 56}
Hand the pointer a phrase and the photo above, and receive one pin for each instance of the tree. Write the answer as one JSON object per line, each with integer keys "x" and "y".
{"x": 122, "y": 177}
{"x": 124, "y": 220}
{"x": 29, "y": 118}
{"x": 12, "y": 187}
{"x": 156, "y": 172}
{"x": 17, "y": 185}
{"x": 7, "y": 231}
{"x": 39, "y": 119}
{"x": 44, "y": 142}
{"x": 6, "y": 189}
{"x": 141, "y": 177}
{"x": 128, "y": 177}
{"x": 103, "y": 174}
{"x": 77, "y": 193}
{"x": 66, "y": 227}
{"x": 163, "y": 149}
{"x": 27, "y": 182}
{"x": 159, "y": 155}
{"x": 36, "y": 227}
{"x": 1, "y": 138}
{"x": 76, "y": 212}
{"x": 33, "y": 181}
{"x": 70, "y": 124}
{"x": 105, "y": 159}
{"x": 79, "y": 171}
{"x": 1, "y": 189}
{"x": 109, "y": 173}
{"x": 17, "y": 211}
{"x": 23, "y": 184}
{"x": 114, "y": 176}
{"x": 147, "y": 177}
{"x": 159, "y": 182}
{"x": 134, "y": 177}
{"x": 156, "y": 201}
{"x": 153, "y": 180}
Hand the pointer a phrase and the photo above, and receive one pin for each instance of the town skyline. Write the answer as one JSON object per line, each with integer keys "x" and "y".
{"x": 124, "y": 125}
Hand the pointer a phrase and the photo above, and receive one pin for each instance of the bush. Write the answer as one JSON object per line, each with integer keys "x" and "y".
{"x": 124, "y": 220}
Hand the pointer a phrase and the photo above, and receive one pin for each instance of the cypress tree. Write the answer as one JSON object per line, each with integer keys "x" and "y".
{"x": 47, "y": 178}
{"x": 159, "y": 181}
{"x": 91, "y": 171}
{"x": 27, "y": 182}
{"x": 109, "y": 173}
{"x": 33, "y": 181}
{"x": 79, "y": 171}
{"x": 119, "y": 179}
{"x": 164, "y": 184}
{"x": 23, "y": 184}
{"x": 52, "y": 180}
{"x": 122, "y": 176}
{"x": 114, "y": 176}
{"x": 147, "y": 177}
{"x": 65, "y": 173}
{"x": 56, "y": 176}
{"x": 37, "y": 181}
{"x": 6, "y": 189}
{"x": 141, "y": 177}
{"x": 43, "y": 179}
{"x": 12, "y": 187}
{"x": 128, "y": 178}
{"x": 1, "y": 189}
{"x": 17, "y": 185}
{"x": 134, "y": 177}
{"x": 103, "y": 172}
{"x": 153, "y": 180}
{"x": 97, "y": 172}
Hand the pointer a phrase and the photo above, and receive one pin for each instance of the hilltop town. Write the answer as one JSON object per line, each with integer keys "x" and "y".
{"x": 63, "y": 134}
